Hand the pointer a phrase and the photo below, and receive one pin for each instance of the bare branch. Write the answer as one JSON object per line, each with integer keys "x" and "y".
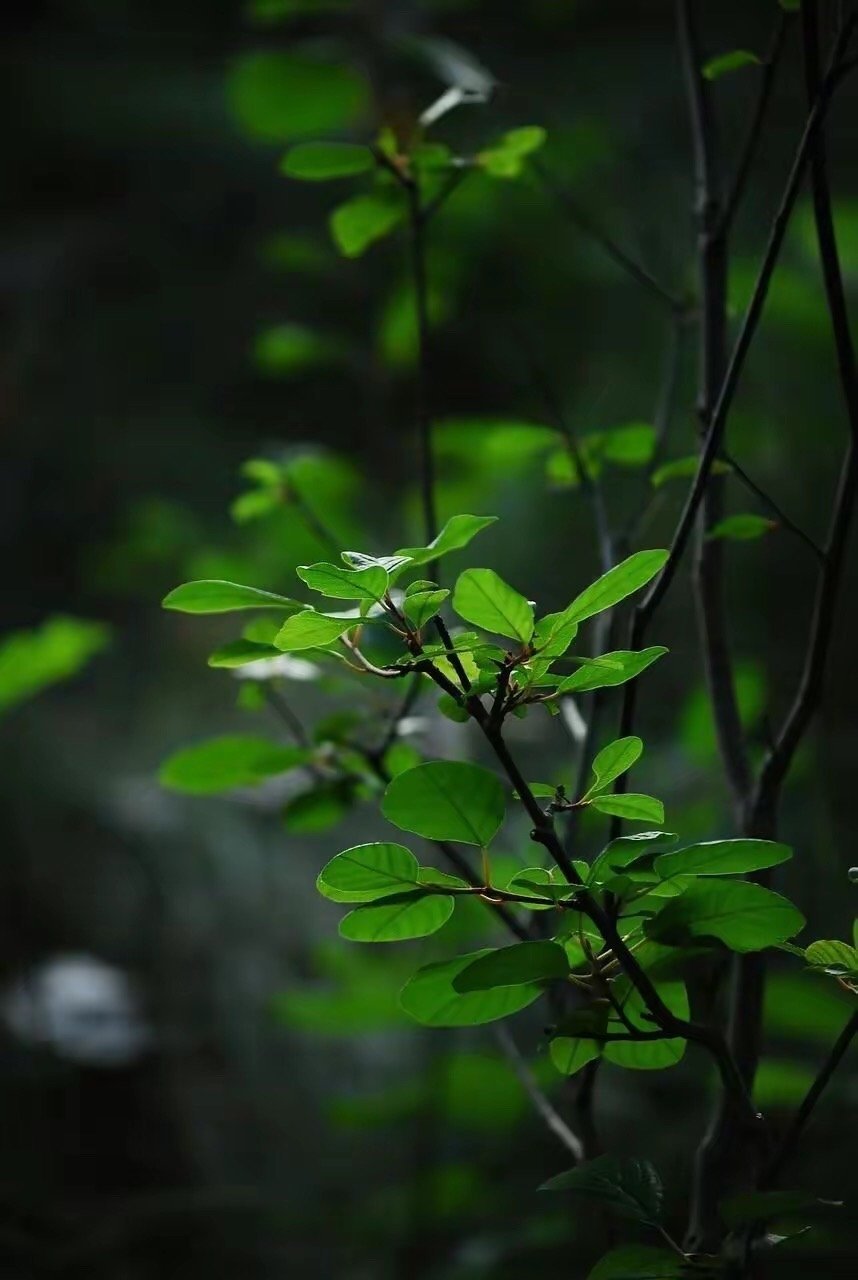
{"x": 542, "y": 1105}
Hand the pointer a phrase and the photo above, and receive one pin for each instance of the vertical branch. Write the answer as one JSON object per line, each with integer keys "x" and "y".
{"x": 712, "y": 258}
{"x": 417, "y": 236}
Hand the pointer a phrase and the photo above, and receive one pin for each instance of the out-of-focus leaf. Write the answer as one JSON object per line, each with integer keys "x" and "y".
{"x": 35, "y": 659}
{"x": 724, "y": 63}
{"x": 742, "y": 528}
{"x": 363, "y": 220}
{"x": 222, "y": 764}
{"x": 214, "y": 596}
{"x": 277, "y": 96}
{"x": 320, "y": 161}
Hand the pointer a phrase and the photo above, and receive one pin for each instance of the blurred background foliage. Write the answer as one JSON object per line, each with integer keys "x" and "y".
{"x": 170, "y": 306}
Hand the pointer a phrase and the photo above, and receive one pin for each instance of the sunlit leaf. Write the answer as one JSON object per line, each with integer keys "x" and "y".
{"x": 614, "y": 760}
{"x": 722, "y": 858}
{"x": 457, "y": 533}
{"x": 615, "y": 585}
{"x": 628, "y": 664}
{"x": 367, "y": 872}
{"x": 345, "y": 584}
{"x": 484, "y": 599}
{"x": 214, "y": 596}
{"x": 744, "y": 916}
{"x": 431, "y": 998}
{"x": 523, "y": 962}
{"x": 222, "y": 764}
{"x": 408, "y": 915}
{"x": 240, "y": 653}
{"x": 631, "y": 806}
{"x": 446, "y": 800}
{"x": 311, "y": 630}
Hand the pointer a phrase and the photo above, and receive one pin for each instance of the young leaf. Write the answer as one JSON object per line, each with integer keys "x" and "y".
{"x": 457, "y": 533}
{"x": 431, "y": 998}
{"x": 421, "y": 606}
{"x": 553, "y": 635}
{"x": 639, "y": 1262}
{"x": 631, "y": 806}
{"x": 446, "y": 800}
{"x": 682, "y": 468}
{"x": 628, "y": 663}
{"x": 506, "y": 158}
{"x": 239, "y": 653}
{"x": 613, "y": 761}
{"x": 483, "y": 598}
{"x": 311, "y": 630}
{"x": 523, "y": 962}
{"x": 362, "y": 220}
{"x": 742, "y": 528}
{"x": 369, "y": 583}
{"x": 744, "y": 916}
{"x": 726, "y": 62}
{"x": 319, "y": 161}
{"x": 835, "y": 957}
{"x": 408, "y": 915}
{"x": 630, "y": 1188}
{"x": 212, "y": 596}
{"x": 367, "y": 872}
{"x": 621, "y": 581}
{"x": 722, "y": 858}
{"x": 221, "y": 764}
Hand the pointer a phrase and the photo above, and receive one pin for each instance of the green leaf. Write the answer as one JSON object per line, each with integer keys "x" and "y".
{"x": 506, "y": 158}
{"x": 744, "y": 916}
{"x": 421, "y": 606}
{"x": 631, "y": 806}
{"x": 431, "y": 998}
{"x": 409, "y": 915}
{"x": 457, "y": 533}
{"x": 284, "y": 350}
{"x": 523, "y": 962}
{"x": 835, "y": 957}
{"x": 319, "y": 161}
{"x": 570, "y": 1053}
{"x": 761, "y": 1206}
{"x": 345, "y": 584}
{"x": 483, "y": 598}
{"x": 684, "y": 468}
{"x": 368, "y": 871}
{"x": 630, "y": 1188}
{"x": 213, "y": 596}
{"x": 363, "y": 220}
{"x": 33, "y": 660}
{"x": 446, "y": 800}
{"x": 553, "y": 635}
{"x": 742, "y": 528}
{"x": 722, "y": 858}
{"x": 311, "y": 630}
{"x": 613, "y": 761}
{"x": 277, "y": 96}
{"x": 723, "y": 63}
{"x": 639, "y": 1262}
{"x": 646, "y": 1055}
{"x": 631, "y": 445}
{"x": 615, "y": 585}
{"x": 221, "y": 764}
{"x": 628, "y": 663}
{"x": 238, "y": 653}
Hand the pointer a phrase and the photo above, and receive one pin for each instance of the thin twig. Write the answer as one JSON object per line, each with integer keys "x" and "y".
{"x": 768, "y": 501}
{"x": 584, "y": 223}
{"x": 541, "y": 1104}
{"x": 795, "y": 1131}
{"x": 748, "y": 153}
{"x": 643, "y": 613}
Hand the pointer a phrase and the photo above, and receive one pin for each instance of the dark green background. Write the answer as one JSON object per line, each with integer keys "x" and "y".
{"x": 136, "y": 275}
